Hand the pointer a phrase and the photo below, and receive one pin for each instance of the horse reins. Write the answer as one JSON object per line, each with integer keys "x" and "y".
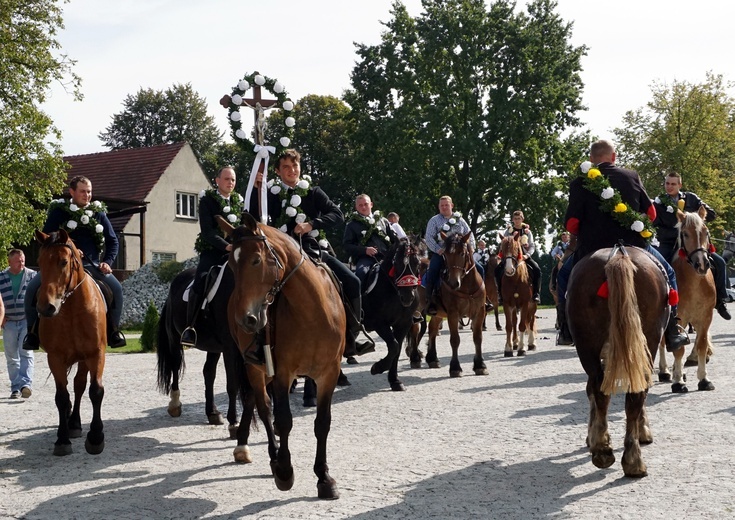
{"x": 466, "y": 271}
{"x": 75, "y": 267}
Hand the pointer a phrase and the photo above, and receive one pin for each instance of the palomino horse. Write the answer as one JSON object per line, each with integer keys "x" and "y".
{"x": 391, "y": 303}
{"x": 491, "y": 288}
{"x": 214, "y": 338}
{"x": 462, "y": 293}
{"x": 72, "y": 329}
{"x": 617, "y": 308}
{"x": 297, "y": 305}
{"x": 518, "y": 305}
{"x": 697, "y": 297}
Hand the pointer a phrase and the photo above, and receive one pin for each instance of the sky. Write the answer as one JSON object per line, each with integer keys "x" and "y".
{"x": 308, "y": 45}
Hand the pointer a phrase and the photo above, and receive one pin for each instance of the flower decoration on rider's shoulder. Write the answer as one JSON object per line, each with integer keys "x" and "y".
{"x": 671, "y": 206}
{"x": 231, "y": 209}
{"x": 84, "y": 217}
{"x": 371, "y": 221}
{"x": 452, "y": 221}
{"x": 273, "y": 86}
{"x": 611, "y": 202}
{"x": 291, "y": 207}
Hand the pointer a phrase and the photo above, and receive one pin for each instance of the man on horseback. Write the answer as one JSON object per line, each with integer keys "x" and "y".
{"x": 447, "y": 221}
{"x": 529, "y": 247}
{"x": 668, "y": 234}
{"x": 597, "y": 229}
{"x": 557, "y": 254}
{"x": 368, "y": 236}
{"x": 211, "y": 244}
{"x": 92, "y": 233}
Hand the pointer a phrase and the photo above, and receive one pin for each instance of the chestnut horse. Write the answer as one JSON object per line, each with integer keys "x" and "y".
{"x": 462, "y": 293}
{"x": 297, "y": 305}
{"x": 491, "y": 289}
{"x": 697, "y": 297}
{"x": 73, "y": 330}
{"x": 518, "y": 305}
{"x": 617, "y": 308}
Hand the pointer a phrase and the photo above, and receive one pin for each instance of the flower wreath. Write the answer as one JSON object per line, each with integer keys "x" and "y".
{"x": 671, "y": 206}
{"x": 456, "y": 216}
{"x": 612, "y": 202}
{"x": 372, "y": 228}
{"x": 236, "y": 100}
{"x": 524, "y": 231}
{"x": 232, "y": 211}
{"x": 83, "y": 217}
{"x": 291, "y": 207}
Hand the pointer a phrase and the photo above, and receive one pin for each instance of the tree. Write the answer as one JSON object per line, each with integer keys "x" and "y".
{"x": 153, "y": 117}
{"x": 467, "y": 101}
{"x": 31, "y": 165}
{"x": 686, "y": 128}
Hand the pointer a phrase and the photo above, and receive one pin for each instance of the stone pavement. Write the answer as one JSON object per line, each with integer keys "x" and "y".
{"x": 508, "y": 445}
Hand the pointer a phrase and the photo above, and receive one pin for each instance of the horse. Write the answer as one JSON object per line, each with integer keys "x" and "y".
{"x": 461, "y": 293}
{"x": 491, "y": 288}
{"x": 697, "y": 297}
{"x": 72, "y": 330}
{"x": 391, "y": 302}
{"x": 617, "y": 309}
{"x": 214, "y": 338}
{"x": 517, "y": 298}
{"x": 295, "y": 304}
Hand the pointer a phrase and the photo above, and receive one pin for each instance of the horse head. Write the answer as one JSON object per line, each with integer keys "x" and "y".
{"x": 61, "y": 264}
{"x": 458, "y": 260}
{"x": 404, "y": 264}
{"x": 694, "y": 239}
{"x": 512, "y": 253}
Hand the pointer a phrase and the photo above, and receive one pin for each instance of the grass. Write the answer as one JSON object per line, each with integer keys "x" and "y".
{"x": 133, "y": 346}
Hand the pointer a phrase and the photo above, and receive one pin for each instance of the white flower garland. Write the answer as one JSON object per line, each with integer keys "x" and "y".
{"x": 456, "y": 216}
{"x": 83, "y": 217}
{"x": 371, "y": 222}
{"x": 291, "y": 207}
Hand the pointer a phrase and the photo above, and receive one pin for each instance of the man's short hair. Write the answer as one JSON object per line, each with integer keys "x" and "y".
{"x": 77, "y": 179}
{"x": 15, "y": 251}
{"x": 602, "y": 148}
{"x": 446, "y": 197}
{"x": 228, "y": 167}
{"x": 518, "y": 213}
{"x": 393, "y": 214}
{"x": 290, "y": 153}
{"x": 675, "y": 175}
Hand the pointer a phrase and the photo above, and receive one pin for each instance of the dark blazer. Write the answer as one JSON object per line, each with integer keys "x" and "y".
{"x": 84, "y": 238}
{"x": 597, "y": 229}
{"x": 352, "y": 240}
{"x": 666, "y": 222}
{"x": 212, "y": 235}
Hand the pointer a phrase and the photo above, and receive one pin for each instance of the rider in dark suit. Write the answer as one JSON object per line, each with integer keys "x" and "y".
{"x": 597, "y": 229}
{"x": 367, "y": 237}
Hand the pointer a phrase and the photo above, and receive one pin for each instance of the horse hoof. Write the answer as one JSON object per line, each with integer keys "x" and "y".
{"x": 481, "y": 371}
{"x": 664, "y": 377}
{"x": 397, "y": 386}
{"x": 94, "y": 449}
{"x": 352, "y": 361}
{"x": 309, "y": 402}
{"x": 378, "y": 368}
{"x": 690, "y": 363}
{"x": 508, "y": 353}
{"x": 415, "y": 364}
{"x": 434, "y": 364}
{"x": 62, "y": 449}
{"x": 283, "y": 484}
{"x": 455, "y": 373}
{"x": 242, "y": 455}
{"x": 521, "y": 353}
{"x": 498, "y": 328}
{"x": 603, "y": 459}
{"x": 531, "y": 347}
{"x": 705, "y": 384}
{"x": 215, "y": 419}
{"x": 75, "y": 433}
{"x": 327, "y": 490}
{"x": 679, "y": 388}
{"x": 175, "y": 411}
{"x": 232, "y": 428}
{"x": 342, "y": 380}
{"x": 637, "y": 474}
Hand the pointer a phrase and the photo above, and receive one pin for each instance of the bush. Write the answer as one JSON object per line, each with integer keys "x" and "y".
{"x": 167, "y": 271}
{"x": 149, "y": 336}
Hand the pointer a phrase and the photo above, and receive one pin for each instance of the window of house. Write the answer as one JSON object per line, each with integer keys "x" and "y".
{"x": 164, "y": 257}
{"x": 186, "y": 205}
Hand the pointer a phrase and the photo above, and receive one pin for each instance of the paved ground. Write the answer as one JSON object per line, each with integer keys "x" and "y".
{"x": 507, "y": 445}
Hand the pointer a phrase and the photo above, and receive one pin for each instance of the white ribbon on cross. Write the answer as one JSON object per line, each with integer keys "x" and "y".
{"x": 261, "y": 153}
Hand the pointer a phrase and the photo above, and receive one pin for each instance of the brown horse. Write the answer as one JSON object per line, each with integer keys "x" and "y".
{"x": 617, "y": 307}
{"x": 297, "y": 306}
{"x": 462, "y": 293}
{"x": 697, "y": 297}
{"x": 518, "y": 304}
{"x": 72, "y": 329}
{"x": 491, "y": 288}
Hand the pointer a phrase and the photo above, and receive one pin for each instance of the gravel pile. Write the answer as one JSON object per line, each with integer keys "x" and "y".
{"x": 142, "y": 287}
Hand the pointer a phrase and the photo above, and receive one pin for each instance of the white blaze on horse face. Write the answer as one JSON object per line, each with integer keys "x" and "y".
{"x": 236, "y": 254}
{"x": 509, "y": 267}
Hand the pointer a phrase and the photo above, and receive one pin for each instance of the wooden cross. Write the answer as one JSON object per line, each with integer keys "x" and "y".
{"x": 259, "y": 105}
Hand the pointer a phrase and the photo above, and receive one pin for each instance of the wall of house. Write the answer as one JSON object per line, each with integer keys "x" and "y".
{"x": 165, "y": 233}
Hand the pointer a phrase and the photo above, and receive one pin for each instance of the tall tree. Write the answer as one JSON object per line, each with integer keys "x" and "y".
{"x": 465, "y": 100}
{"x": 31, "y": 164}
{"x": 152, "y": 117}
{"x": 687, "y": 128}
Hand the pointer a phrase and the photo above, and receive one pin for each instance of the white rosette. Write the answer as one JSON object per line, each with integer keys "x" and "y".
{"x": 657, "y": 200}
{"x": 288, "y": 105}
{"x": 585, "y": 166}
{"x": 73, "y": 207}
{"x": 283, "y": 203}
{"x": 670, "y": 209}
{"x": 285, "y": 141}
{"x": 283, "y": 228}
{"x": 88, "y": 212}
{"x": 259, "y": 80}
{"x": 290, "y": 122}
{"x": 456, "y": 214}
{"x": 236, "y": 116}
{"x": 323, "y": 244}
{"x": 84, "y": 219}
{"x": 237, "y": 99}
{"x": 314, "y": 233}
{"x": 295, "y": 200}
{"x": 202, "y": 194}
{"x": 607, "y": 193}
{"x": 226, "y": 209}
{"x": 303, "y": 184}
{"x": 637, "y": 226}
{"x": 275, "y": 189}
{"x": 97, "y": 204}
{"x": 452, "y": 221}
{"x": 72, "y": 224}
{"x": 240, "y": 133}
{"x": 371, "y": 221}
{"x": 446, "y": 227}
{"x": 301, "y": 218}
{"x": 98, "y": 228}
{"x": 243, "y": 85}
{"x": 363, "y": 232}
{"x": 291, "y": 211}
{"x": 278, "y": 87}
{"x": 232, "y": 218}
{"x": 387, "y": 238}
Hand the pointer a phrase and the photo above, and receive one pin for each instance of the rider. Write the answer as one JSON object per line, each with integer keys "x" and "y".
{"x": 211, "y": 244}
{"x": 557, "y": 254}
{"x": 668, "y": 234}
{"x": 304, "y": 212}
{"x": 368, "y": 236}
{"x": 529, "y": 247}
{"x": 448, "y": 221}
{"x": 92, "y": 233}
{"x": 598, "y": 229}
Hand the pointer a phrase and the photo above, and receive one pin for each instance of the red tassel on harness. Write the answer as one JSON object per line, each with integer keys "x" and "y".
{"x": 682, "y": 253}
{"x": 604, "y": 290}
{"x": 392, "y": 272}
{"x": 673, "y": 297}
{"x": 712, "y": 248}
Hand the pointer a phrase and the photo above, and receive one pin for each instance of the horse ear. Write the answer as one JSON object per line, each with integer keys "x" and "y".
{"x": 63, "y": 236}
{"x": 466, "y": 237}
{"x": 702, "y": 212}
{"x": 225, "y": 226}
{"x": 41, "y": 237}
{"x": 249, "y": 221}
{"x": 443, "y": 235}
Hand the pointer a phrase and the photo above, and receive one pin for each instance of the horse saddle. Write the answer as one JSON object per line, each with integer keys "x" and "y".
{"x": 212, "y": 282}
{"x": 371, "y": 279}
{"x": 104, "y": 289}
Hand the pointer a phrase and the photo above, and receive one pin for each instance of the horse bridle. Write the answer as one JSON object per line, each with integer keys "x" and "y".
{"x": 407, "y": 277}
{"x": 689, "y": 254}
{"x": 75, "y": 267}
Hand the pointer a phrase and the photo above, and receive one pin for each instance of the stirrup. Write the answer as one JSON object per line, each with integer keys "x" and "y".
{"x": 189, "y": 337}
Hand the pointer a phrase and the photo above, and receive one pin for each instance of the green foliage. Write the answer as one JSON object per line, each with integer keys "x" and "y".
{"x": 31, "y": 165}
{"x": 149, "y": 335}
{"x": 167, "y": 271}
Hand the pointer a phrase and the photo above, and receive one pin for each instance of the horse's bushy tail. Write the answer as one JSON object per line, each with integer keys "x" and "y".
{"x": 626, "y": 356}
{"x": 170, "y": 355}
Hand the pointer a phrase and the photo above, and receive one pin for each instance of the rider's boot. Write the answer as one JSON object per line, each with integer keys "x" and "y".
{"x": 722, "y": 310}
{"x": 674, "y": 335}
{"x": 565, "y": 336}
{"x": 430, "y": 304}
{"x": 115, "y": 338}
{"x": 31, "y": 341}
{"x": 189, "y": 335}
{"x": 360, "y": 347}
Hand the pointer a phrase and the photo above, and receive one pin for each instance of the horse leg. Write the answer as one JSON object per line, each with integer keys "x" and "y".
{"x": 326, "y": 485}
{"x": 664, "y": 376}
{"x": 522, "y": 331}
{"x": 400, "y": 333}
{"x": 62, "y": 446}
{"x": 702, "y": 344}
{"x": 678, "y": 386}
{"x": 281, "y": 464}
{"x": 598, "y": 437}
{"x": 210, "y": 374}
{"x": 632, "y": 462}
{"x": 531, "y": 328}
{"x": 80, "y": 385}
{"x": 95, "y": 442}
{"x": 478, "y": 364}
{"x": 498, "y": 327}
{"x": 431, "y": 358}
{"x": 455, "y": 370}
{"x": 386, "y": 334}
{"x": 231, "y": 357}
{"x": 509, "y": 312}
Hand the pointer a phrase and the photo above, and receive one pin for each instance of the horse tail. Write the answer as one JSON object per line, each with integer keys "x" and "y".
{"x": 626, "y": 356}
{"x": 170, "y": 356}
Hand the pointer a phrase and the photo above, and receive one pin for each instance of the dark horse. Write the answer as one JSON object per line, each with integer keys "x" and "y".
{"x": 617, "y": 307}
{"x": 214, "y": 338}
{"x": 392, "y": 301}
{"x": 296, "y": 304}
{"x": 72, "y": 330}
{"x": 491, "y": 288}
